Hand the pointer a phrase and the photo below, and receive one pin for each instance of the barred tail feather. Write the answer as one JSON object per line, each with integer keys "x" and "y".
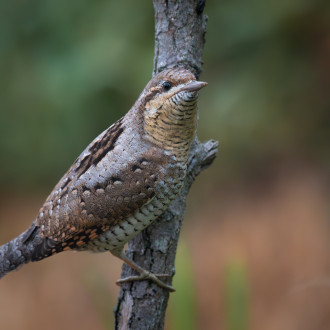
{"x": 45, "y": 248}
{"x": 19, "y": 251}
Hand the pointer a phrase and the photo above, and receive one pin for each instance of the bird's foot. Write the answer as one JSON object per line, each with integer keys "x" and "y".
{"x": 145, "y": 275}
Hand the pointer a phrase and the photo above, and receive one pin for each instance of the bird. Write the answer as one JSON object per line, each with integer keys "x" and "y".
{"x": 122, "y": 181}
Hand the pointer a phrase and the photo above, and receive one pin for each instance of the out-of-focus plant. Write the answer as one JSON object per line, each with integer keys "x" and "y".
{"x": 182, "y": 311}
{"x": 70, "y": 69}
{"x": 236, "y": 296}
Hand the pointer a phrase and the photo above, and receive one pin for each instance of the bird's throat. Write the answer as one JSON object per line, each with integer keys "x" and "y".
{"x": 172, "y": 127}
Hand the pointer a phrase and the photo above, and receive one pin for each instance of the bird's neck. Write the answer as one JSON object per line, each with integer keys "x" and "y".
{"x": 172, "y": 129}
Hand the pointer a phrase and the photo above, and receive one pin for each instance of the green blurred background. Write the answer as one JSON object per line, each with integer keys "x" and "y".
{"x": 68, "y": 69}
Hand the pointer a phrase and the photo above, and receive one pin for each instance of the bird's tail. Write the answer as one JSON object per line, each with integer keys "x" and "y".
{"x": 19, "y": 251}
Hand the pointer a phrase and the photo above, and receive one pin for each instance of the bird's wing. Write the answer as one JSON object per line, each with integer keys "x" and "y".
{"x": 79, "y": 209}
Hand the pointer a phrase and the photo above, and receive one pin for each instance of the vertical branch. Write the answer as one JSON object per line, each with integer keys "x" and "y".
{"x": 180, "y": 28}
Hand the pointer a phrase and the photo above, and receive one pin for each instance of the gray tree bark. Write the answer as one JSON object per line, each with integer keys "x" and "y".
{"x": 179, "y": 41}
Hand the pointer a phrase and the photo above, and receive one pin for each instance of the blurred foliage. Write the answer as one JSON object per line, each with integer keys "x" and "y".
{"x": 100, "y": 296}
{"x": 70, "y": 69}
{"x": 182, "y": 309}
{"x": 236, "y": 301}
{"x": 269, "y": 73}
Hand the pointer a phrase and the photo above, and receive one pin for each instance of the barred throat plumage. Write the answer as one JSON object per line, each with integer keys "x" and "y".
{"x": 171, "y": 120}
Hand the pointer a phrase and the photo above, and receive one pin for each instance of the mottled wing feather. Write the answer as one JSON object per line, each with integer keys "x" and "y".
{"x": 101, "y": 210}
{"x": 99, "y": 148}
{"x": 76, "y": 212}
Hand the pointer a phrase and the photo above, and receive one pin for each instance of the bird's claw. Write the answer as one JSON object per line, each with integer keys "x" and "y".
{"x": 147, "y": 276}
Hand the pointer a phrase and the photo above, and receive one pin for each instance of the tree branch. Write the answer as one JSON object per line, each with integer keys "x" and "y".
{"x": 179, "y": 41}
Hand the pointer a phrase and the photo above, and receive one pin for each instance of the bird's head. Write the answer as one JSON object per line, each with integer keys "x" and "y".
{"x": 169, "y": 110}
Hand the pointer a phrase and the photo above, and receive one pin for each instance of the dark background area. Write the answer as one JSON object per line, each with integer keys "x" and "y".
{"x": 254, "y": 251}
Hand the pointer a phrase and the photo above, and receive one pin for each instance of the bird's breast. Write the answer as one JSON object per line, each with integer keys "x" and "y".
{"x": 127, "y": 228}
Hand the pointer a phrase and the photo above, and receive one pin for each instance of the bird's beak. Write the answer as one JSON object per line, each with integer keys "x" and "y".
{"x": 194, "y": 86}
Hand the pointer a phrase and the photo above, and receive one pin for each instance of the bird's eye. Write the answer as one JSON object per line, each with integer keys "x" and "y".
{"x": 167, "y": 85}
